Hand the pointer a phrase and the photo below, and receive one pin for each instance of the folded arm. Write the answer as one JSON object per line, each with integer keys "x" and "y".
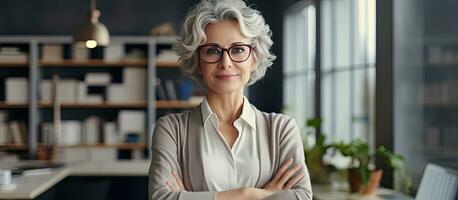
{"x": 291, "y": 147}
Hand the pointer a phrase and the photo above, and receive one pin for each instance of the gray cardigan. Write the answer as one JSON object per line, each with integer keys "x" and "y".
{"x": 175, "y": 146}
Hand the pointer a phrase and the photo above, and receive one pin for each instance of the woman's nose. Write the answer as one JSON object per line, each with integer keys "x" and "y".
{"x": 225, "y": 61}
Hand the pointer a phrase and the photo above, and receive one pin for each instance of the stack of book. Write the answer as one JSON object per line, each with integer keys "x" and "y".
{"x": 52, "y": 53}
{"x": 13, "y": 132}
{"x": 12, "y": 54}
{"x": 169, "y": 89}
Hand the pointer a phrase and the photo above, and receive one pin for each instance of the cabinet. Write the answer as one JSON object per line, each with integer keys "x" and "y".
{"x": 107, "y": 95}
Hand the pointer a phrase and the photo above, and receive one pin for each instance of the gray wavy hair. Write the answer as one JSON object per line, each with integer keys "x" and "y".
{"x": 251, "y": 23}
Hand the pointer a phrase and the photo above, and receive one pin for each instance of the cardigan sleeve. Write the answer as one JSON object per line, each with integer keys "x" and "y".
{"x": 291, "y": 147}
{"x": 164, "y": 158}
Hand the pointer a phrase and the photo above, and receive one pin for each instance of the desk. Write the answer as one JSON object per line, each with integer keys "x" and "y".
{"x": 31, "y": 186}
{"x": 325, "y": 192}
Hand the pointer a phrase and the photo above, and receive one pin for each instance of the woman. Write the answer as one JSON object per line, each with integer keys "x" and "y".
{"x": 226, "y": 148}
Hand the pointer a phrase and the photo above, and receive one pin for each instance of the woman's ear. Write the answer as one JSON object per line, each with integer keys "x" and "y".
{"x": 253, "y": 63}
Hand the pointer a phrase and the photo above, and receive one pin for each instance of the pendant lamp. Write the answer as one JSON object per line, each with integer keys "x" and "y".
{"x": 91, "y": 32}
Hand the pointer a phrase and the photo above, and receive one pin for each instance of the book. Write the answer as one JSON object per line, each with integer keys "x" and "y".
{"x": 170, "y": 89}
{"x": 15, "y": 133}
{"x": 82, "y": 93}
{"x": 4, "y": 136}
{"x": 16, "y": 90}
{"x": 160, "y": 91}
{"x": 91, "y": 130}
{"x": 45, "y": 90}
{"x": 134, "y": 81}
{"x": 185, "y": 89}
{"x": 110, "y": 135}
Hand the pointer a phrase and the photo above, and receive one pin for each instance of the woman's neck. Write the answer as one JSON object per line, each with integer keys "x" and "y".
{"x": 228, "y": 107}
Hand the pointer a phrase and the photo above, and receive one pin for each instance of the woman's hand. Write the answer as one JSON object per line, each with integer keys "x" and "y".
{"x": 284, "y": 179}
{"x": 179, "y": 187}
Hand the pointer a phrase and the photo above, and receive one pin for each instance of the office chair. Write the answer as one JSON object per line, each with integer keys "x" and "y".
{"x": 438, "y": 183}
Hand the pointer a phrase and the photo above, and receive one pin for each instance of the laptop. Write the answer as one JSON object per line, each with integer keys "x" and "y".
{"x": 437, "y": 183}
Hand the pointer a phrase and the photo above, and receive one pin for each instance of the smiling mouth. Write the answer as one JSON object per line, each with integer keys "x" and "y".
{"x": 226, "y": 76}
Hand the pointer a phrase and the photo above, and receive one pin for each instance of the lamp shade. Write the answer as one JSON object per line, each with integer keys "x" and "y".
{"x": 91, "y": 30}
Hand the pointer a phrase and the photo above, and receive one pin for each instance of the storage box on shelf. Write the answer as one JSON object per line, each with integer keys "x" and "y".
{"x": 107, "y": 95}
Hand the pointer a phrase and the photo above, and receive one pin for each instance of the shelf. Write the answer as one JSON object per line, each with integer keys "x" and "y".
{"x": 102, "y": 63}
{"x": 13, "y": 146}
{"x": 440, "y": 105}
{"x": 176, "y": 104}
{"x": 441, "y": 151}
{"x": 13, "y": 64}
{"x": 116, "y": 146}
{"x": 94, "y": 63}
{"x": 105, "y": 105}
{"x": 167, "y": 64}
{"x": 6, "y": 105}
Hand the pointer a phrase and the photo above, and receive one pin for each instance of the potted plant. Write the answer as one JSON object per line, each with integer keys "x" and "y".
{"x": 314, "y": 151}
{"x": 362, "y": 176}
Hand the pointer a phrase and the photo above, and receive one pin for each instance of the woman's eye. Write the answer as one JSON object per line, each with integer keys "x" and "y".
{"x": 213, "y": 50}
{"x": 237, "y": 50}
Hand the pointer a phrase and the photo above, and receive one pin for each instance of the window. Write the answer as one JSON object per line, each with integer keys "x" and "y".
{"x": 299, "y": 55}
{"x": 347, "y": 66}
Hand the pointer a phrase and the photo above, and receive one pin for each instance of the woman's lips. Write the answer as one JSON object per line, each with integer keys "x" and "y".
{"x": 227, "y": 76}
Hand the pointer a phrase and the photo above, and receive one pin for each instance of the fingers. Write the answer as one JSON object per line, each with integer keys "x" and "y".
{"x": 294, "y": 180}
{"x": 289, "y": 173}
{"x": 178, "y": 180}
{"x": 171, "y": 186}
{"x": 282, "y": 169}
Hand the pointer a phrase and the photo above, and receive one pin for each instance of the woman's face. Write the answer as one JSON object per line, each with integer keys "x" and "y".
{"x": 225, "y": 75}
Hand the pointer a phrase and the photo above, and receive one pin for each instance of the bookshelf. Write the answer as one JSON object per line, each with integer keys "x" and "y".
{"x": 438, "y": 96}
{"x": 93, "y": 63}
{"x": 103, "y": 105}
{"x": 48, "y": 55}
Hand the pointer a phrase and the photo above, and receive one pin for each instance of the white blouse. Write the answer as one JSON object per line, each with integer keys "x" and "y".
{"x": 230, "y": 168}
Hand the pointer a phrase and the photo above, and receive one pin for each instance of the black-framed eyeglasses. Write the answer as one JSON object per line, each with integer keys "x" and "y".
{"x": 212, "y": 53}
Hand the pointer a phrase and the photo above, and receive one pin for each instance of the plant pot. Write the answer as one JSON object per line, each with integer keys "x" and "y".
{"x": 373, "y": 183}
{"x": 354, "y": 180}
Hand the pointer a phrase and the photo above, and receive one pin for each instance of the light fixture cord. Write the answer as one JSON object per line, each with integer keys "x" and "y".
{"x": 93, "y": 5}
